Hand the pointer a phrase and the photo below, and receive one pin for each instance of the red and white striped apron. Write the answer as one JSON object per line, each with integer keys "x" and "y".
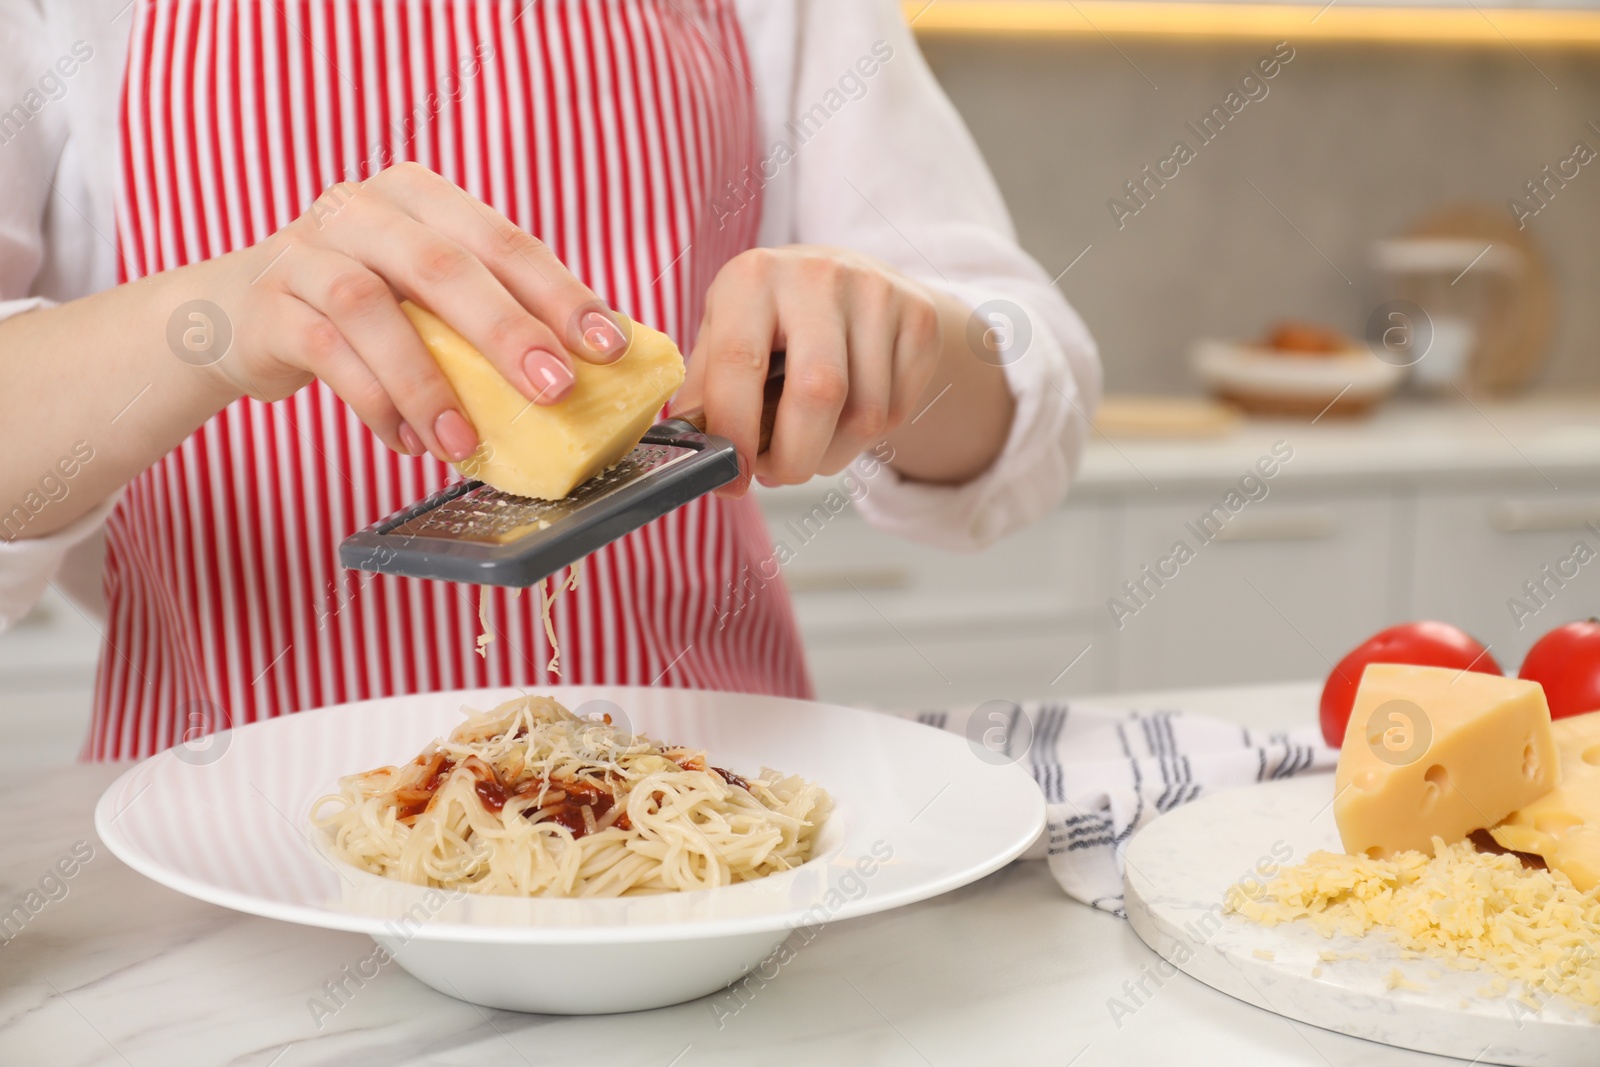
{"x": 605, "y": 127}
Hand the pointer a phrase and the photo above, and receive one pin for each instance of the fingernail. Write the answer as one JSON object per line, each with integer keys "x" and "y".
{"x": 602, "y": 334}
{"x": 410, "y": 441}
{"x": 549, "y": 374}
{"x": 455, "y": 435}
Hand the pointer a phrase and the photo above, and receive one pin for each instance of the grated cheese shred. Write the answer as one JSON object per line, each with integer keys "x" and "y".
{"x": 549, "y": 590}
{"x": 487, "y": 635}
{"x": 1461, "y": 906}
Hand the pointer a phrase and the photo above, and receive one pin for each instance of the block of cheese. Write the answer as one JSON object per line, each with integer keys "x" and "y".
{"x": 546, "y": 451}
{"x": 1563, "y": 826}
{"x": 1438, "y": 752}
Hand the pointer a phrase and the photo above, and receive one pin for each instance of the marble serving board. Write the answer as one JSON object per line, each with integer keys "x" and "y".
{"x": 1177, "y": 874}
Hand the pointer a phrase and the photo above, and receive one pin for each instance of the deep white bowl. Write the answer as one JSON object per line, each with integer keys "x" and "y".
{"x": 1262, "y": 379}
{"x": 917, "y": 814}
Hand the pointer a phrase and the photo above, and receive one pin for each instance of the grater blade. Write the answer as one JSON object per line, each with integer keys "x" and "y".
{"x": 471, "y": 532}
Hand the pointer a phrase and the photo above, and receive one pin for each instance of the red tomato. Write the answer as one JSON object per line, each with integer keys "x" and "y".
{"x": 1421, "y": 644}
{"x": 1566, "y": 661}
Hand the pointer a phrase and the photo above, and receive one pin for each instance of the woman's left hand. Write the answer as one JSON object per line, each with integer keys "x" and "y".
{"x": 863, "y": 343}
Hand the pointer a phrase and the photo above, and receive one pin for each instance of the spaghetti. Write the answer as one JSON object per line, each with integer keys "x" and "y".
{"x": 531, "y": 800}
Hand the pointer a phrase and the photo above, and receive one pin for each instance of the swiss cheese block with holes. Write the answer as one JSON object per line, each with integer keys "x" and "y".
{"x": 546, "y": 451}
{"x": 1438, "y": 752}
{"x": 1563, "y": 826}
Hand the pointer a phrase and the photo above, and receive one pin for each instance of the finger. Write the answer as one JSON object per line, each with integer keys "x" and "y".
{"x": 432, "y": 269}
{"x": 527, "y": 268}
{"x": 730, "y": 360}
{"x": 323, "y": 349}
{"x": 364, "y": 310}
{"x": 874, "y": 328}
{"x": 816, "y": 382}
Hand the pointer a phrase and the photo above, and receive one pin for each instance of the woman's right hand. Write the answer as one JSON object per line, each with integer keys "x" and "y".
{"x": 321, "y": 297}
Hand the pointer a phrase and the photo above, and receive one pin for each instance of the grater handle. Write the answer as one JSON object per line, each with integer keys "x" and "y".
{"x": 696, "y": 417}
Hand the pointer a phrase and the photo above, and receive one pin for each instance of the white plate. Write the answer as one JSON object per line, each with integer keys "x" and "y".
{"x": 917, "y": 814}
{"x": 1177, "y": 874}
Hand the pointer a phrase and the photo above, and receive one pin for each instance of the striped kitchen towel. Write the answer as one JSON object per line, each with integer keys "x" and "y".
{"x": 1107, "y": 773}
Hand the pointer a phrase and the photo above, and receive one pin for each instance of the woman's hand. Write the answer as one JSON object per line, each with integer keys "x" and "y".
{"x": 863, "y": 344}
{"x": 321, "y": 298}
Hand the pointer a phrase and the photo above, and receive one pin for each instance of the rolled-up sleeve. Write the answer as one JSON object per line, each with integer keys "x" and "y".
{"x": 881, "y": 162}
{"x": 29, "y": 564}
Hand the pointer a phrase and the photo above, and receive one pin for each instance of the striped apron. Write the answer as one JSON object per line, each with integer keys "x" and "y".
{"x": 605, "y": 127}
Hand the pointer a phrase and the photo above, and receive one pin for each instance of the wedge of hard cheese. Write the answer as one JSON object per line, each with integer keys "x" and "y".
{"x": 1563, "y": 826}
{"x": 1437, "y": 752}
{"x": 546, "y": 451}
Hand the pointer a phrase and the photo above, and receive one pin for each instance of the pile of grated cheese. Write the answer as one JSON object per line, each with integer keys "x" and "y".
{"x": 1460, "y": 905}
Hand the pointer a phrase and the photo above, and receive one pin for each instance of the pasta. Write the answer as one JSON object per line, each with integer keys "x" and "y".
{"x": 531, "y": 800}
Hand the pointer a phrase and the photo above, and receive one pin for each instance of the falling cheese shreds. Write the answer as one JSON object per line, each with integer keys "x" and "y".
{"x": 1529, "y": 926}
{"x": 483, "y": 620}
{"x": 1263, "y": 954}
{"x": 548, "y": 591}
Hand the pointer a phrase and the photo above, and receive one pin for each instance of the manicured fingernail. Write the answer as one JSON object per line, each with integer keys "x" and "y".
{"x": 410, "y": 441}
{"x": 603, "y": 335}
{"x": 549, "y": 374}
{"x": 455, "y": 435}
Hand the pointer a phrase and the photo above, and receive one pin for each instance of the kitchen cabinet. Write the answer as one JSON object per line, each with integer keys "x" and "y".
{"x": 47, "y": 666}
{"x": 1509, "y": 564}
{"x": 1285, "y": 585}
{"x": 895, "y": 624}
{"x": 1427, "y": 510}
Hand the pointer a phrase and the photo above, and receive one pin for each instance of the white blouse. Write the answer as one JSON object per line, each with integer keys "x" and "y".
{"x": 866, "y": 152}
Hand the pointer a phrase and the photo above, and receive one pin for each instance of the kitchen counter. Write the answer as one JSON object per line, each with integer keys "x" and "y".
{"x": 120, "y": 971}
{"x": 1535, "y": 439}
{"x": 1540, "y": 440}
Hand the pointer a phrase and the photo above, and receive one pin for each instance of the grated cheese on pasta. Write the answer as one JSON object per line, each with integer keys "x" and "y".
{"x": 1459, "y": 906}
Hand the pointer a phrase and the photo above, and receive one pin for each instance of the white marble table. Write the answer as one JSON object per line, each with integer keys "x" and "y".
{"x": 119, "y": 971}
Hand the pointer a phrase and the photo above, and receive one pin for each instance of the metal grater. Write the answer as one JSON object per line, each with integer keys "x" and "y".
{"x": 470, "y": 532}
